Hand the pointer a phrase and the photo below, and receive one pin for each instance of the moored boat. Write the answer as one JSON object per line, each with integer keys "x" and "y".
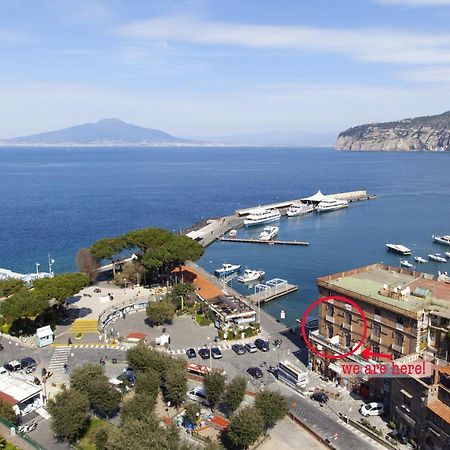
{"x": 406, "y": 263}
{"x": 232, "y": 233}
{"x": 398, "y": 248}
{"x": 227, "y": 269}
{"x": 260, "y": 216}
{"x": 331, "y": 205}
{"x": 447, "y": 254}
{"x": 268, "y": 233}
{"x": 419, "y": 259}
{"x": 437, "y": 257}
{"x": 299, "y": 209}
{"x": 445, "y": 239}
{"x": 251, "y": 275}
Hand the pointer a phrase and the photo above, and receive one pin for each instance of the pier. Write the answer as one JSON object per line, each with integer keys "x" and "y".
{"x": 271, "y": 290}
{"x": 258, "y": 241}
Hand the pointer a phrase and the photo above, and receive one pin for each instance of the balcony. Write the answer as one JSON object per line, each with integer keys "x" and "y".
{"x": 375, "y": 338}
{"x": 397, "y": 347}
{"x": 376, "y": 318}
{"x": 329, "y": 318}
{"x": 399, "y": 326}
{"x": 347, "y": 326}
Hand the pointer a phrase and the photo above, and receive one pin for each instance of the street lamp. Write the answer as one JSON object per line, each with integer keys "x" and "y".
{"x": 37, "y": 269}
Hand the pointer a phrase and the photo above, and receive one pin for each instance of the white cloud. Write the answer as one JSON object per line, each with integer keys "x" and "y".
{"x": 370, "y": 45}
{"x": 415, "y": 2}
{"x": 427, "y": 75}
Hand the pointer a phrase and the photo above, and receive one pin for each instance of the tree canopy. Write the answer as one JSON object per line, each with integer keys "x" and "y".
{"x": 10, "y": 286}
{"x": 234, "y": 393}
{"x": 161, "y": 312}
{"x": 7, "y": 412}
{"x": 245, "y": 427}
{"x": 272, "y": 405}
{"x": 214, "y": 383}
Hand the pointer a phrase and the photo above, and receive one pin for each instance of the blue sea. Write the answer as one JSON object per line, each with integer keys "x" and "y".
{"x": 58, "y": 200}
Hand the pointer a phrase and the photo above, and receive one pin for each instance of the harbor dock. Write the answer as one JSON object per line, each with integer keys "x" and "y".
{"x": 271, "y": 290}
{"x": 258, "y": 241}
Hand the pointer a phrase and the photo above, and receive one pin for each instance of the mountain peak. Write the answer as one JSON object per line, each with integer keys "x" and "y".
{"x": 111, "y": 121}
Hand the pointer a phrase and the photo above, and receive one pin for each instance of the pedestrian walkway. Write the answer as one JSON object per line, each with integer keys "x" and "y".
{"x": 84, "y": 326}
{"x": 116, "y": 346}
{"x": 59, "y": 358}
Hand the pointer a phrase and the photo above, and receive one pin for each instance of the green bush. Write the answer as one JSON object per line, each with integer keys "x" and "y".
{"x": 392, "y": 425}
{"x": 202, "y": 320}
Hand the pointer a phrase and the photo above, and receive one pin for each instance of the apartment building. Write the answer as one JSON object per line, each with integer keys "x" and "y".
{"x": 405, "y": 312}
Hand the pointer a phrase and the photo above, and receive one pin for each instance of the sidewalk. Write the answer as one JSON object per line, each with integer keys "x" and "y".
{"x": 16, "y": 440}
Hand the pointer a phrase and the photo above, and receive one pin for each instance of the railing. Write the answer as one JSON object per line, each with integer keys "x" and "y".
{"x": 397, "y": 347}
{"x": 376, "y": 318}
{"x": 347, "y": 326}
{"x": 376, "y": 338}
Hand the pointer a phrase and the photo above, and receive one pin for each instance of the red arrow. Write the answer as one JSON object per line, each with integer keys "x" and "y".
{"x": 367, "y": 353}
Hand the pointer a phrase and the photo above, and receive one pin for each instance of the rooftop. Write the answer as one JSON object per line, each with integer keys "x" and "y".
{"x": 440, "y": 409}
{"x": 204, "y": 288}
{"x": 16, "y": 389}
{"x": 366, "y": 283}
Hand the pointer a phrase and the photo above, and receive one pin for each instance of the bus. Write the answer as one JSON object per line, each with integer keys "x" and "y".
{"x": 292, "y": 374}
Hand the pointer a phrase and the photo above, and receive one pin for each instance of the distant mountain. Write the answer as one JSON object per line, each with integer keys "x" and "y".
{"x": 106, "y": 132}
{"x": 428, "y": 133}
{"x": 275, "y": 138}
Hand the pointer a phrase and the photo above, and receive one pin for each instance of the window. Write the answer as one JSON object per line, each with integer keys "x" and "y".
{"x": 330, "y": 310}
{"x": 377, "y": 312}
{"x": 376, "y": 349}
{"x": 347, "y": 318}
{"x": 398, "y": 339}
{"x": 400, "y": 320}
{"x": 376, "y": 330}
{"x": 406, "y": 401}
{"x": 330, "y": 331}
{"x": 348, "y": 341}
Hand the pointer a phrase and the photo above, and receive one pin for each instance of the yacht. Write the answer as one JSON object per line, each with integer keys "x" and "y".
{"x": 331, "y": 205}
{"x": 261, "y": 215}
{"x": 268, "y": 233}
{"x": 406, "y": 263}
{"x": 227, "y": 269}
{"x": 398, "y": 248}
{"x": 442, "y": 239}
{"x": 447, "y": 254}
{"x": 437, "y": 257}
{"x": 251, "y": 275}
{"x": 299, "y": 209}
{"x": 419, "y": 259}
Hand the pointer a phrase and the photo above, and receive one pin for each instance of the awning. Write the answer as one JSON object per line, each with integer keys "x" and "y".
{"x": 317, "y": 197}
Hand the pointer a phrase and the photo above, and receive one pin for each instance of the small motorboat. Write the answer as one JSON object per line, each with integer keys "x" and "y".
{"x": 419, "y": 259}
{"x": 268, "y": 233}
{"x": 251, "y": 275}
{"x": 443, "y": 277}
{"x": 437, "y": 257}
{"x": 299, "y": 209}
{"x": 232, "y": 233}
{"x": 227, "y": 269}
{"x": 447, "y": 254}
{"x": 406, "y": 263}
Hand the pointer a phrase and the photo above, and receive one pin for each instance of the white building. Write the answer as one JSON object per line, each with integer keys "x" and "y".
{"x": 23, "y": 395}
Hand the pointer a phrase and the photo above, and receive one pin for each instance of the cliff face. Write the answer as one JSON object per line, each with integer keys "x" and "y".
{"x": 428, "y": 133}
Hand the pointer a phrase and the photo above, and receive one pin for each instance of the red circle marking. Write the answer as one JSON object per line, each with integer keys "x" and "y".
{"x": 339, "y": 299}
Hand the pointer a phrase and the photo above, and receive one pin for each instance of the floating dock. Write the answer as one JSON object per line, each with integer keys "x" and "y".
{"x": 257, "y": 241}
{"x": 271, "y": 290}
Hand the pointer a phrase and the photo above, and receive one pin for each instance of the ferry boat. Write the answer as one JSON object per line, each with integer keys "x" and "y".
{"x": 251, "y": 275}
{"x": 406, "y": 263}
{"x": 261, "y": 215}
{"x": 442, "y": 239}
{"x": 227, "y": 269}
{"x": 437, "y": 257}
{"x": 299, "y": 209}
{"x": 398, "y": 248}
{"x": 419, "y": 259}
{"x": 268, "y": 233}
{"x": 331, "y": 205}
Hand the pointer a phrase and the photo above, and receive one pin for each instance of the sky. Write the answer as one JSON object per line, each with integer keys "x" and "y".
{"x": 212, "y": 68}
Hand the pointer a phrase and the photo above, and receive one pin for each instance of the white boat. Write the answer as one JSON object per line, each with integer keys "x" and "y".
{"x": 331, "y": 205}
{"x": 299, "y": 209}
{"x": 437, "y": 257}
{"x": 398, "y": 248}
{"x": 443, "y": 277}
{"x": 442, "y": 239}
{"x": 447, "y": 254}
{"x": 232, "y": 233}
{"x": 406, "y": 263}
{"x": 251, "y": 275}
{"x": 419, "y": 259}
{"x": 260, "y": 216}
{"x": 268, "y": 233}
{"x": 227, "y": 269}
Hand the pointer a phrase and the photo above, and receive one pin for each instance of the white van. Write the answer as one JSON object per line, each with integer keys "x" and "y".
{"x": 372, "y": 409}
{"x": 198, "y": 394}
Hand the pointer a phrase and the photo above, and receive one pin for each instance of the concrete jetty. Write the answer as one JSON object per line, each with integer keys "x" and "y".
{"x": 258, "y": 241}
{"x": 271, "y": 290}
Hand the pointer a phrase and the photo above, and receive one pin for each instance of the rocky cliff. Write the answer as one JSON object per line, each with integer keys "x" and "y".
{"x": 429, "y": 133}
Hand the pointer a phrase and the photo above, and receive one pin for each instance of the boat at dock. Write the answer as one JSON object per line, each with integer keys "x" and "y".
{"x": 419, "y": 259}
{"x": 268, "y": 233}
{"x": 445, "y": 239}
{"x": 398, "y": 248}
{"x": 261, "y": 216}
{"x": 443, "y": 277}
{"x": 447, "y": 254}
{"x": 232, "y": 233}
{"x": 299, "y": 209}
{"x": 331, "y": 205}
{"x": 227, "y": 269}
{"x": 251, "y": 275}
{"x": 406, "y": 263}
{"x": 437, "y": 257}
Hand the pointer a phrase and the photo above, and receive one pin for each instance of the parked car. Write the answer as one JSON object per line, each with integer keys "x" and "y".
{"x": 255, "y": 372}
{"x": 262, "y": 345}
{"x": 239, "y": 349}
{"x": 191, "y": 353}
{"x": 216, "y": 353}
{"x": 3, "y": 371}
{"x": 320, "y": 397}
{"x": 372, "y": 409}
{"x": 198, "y": 394}
{"x": 204, "y": 353}
{"x": 128, "y": 377}
{"x": 28, "y": 364}
{"x": 251, "y": 347}
{"x": 13, "y": 366}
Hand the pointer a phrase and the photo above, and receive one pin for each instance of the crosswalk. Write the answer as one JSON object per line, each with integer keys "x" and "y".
{"x": 59, "y": 358}
{"x": 84, "y": 326}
